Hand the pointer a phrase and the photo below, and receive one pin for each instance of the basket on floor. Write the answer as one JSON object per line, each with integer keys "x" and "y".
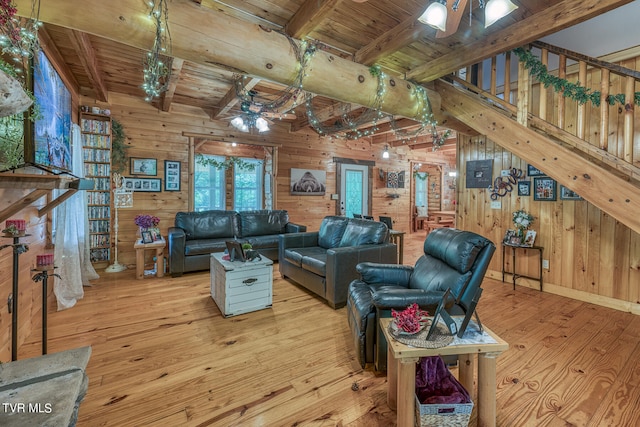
{"x": 443, "y": 415}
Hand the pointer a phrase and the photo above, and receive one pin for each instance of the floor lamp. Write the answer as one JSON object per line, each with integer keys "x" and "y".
{"x": 121, "y": 199}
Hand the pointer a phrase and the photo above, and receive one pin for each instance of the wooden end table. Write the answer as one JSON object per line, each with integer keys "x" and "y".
{"x": 397, "y": 237}
{"x": 401, "y": 373}
{"x": 156, "y": 246}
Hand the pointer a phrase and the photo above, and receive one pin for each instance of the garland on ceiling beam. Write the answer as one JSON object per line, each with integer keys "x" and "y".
{"x": 570, "y": 90}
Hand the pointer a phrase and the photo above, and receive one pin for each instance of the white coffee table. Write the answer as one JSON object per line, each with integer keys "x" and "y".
{"x": 241, "y": 287}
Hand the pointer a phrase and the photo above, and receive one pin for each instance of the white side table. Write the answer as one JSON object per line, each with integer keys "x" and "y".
{"x": 241, "y": 287}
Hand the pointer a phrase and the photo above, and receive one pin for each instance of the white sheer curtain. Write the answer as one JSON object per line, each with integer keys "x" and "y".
{"x": 72, "y": 238}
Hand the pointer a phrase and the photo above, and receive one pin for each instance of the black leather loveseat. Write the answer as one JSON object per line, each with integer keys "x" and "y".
{"x": 324, "y": 261}
{"x": 196, "y": 235}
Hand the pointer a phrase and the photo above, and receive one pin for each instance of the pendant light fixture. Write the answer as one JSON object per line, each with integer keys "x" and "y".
{"x": 385, "y": 153}
{"x": 496, "y": 9}
{"x": 436, "y": 15}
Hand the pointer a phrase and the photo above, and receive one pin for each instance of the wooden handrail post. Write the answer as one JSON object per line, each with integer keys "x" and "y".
{"x": 582, "y": 110}
{"x": 544, "y": 58}
{"x": 604, "y": 110}
{"x": 507, "y": 78}
{"x": 562, "y": 73}
{"x": 524, "y": 88}
{"x": 629, "y": 107}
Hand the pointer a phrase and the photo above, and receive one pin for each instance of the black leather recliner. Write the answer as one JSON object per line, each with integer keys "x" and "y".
{"x": 453, "y": 259}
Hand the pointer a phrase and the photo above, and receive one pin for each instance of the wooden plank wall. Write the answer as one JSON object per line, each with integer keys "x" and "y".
{"x": 592, "y": 257}
{"x": 158, "y": 135}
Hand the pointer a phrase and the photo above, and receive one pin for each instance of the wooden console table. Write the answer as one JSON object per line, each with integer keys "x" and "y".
{"x": 515, "y": 275}
{"x": 401, "y": 373}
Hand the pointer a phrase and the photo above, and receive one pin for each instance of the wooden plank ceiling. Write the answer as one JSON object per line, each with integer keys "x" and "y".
{"x": 383, "y": 32}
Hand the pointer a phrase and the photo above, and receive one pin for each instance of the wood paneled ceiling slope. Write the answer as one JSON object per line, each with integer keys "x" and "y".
{"x": 103, "y": 45}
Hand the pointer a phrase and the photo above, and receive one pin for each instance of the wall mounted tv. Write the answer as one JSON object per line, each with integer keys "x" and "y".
{"x": 48, "y": 138}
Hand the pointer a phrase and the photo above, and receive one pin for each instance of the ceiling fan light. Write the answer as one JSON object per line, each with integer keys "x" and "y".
{"x": 435, "y": 16}
{"x": 262, "y": 125}
{"x": 496, "y": 9}
{"x": 237, "y": 122}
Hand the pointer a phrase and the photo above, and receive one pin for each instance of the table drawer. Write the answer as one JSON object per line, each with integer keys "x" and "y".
{"x": 248, "y": 282}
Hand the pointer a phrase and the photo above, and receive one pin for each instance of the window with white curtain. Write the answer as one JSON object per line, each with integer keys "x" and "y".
{"x": 209, "y": 185}
{"x": 247, "y": 185}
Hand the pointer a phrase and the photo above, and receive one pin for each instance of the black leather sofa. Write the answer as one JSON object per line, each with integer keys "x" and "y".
{"x": 324, "y": 261}
{"x": 453, "y": 259}
{"x": 196, "y": 235}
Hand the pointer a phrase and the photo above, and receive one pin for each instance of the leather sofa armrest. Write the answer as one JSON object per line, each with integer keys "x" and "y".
{"x": 341, "y": 267}
{"x": 177, "y": 239}
{"x": 295, "y": 228}
{"x": 392, "y": 274}
{"x": 401, "y": 298}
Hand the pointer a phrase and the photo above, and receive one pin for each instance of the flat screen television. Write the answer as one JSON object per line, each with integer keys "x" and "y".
{"x": 48, "y": 138}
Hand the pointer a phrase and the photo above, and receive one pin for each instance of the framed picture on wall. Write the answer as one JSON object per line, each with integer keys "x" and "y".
{"x": 143, "y": 166}
{"x": 524, "y": 188}
{"x": 544, "y": 189}
{"x": 307, "y": 182}
{"x": 142, "y": 184}
{"x": 533, "y": 171}
{"x": 479, "y": 173}
{"x": 568, "y": 194}
{"x": 171, "y": 175}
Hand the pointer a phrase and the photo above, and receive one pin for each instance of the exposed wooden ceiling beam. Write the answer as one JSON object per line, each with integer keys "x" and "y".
{"x": 82, "y": 45}
{"x": 550, "y": 20}
{"x": 244, "y": 47}
{"x": 308, "y": 16}
{"x": 395, "y": 39}
{"x": 167, "y": 96}
{"x": 57, "y": 60}
{"x": 231, "y": 98}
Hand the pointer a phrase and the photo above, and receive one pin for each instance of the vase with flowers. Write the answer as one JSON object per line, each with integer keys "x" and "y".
{"x": 145, "y": 222}
{"x": 522, "y": 220}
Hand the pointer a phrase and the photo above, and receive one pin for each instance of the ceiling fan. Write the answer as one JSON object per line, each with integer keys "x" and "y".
{"x": 256, "y": 116}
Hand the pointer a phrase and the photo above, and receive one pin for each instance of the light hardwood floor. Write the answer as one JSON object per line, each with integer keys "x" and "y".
{"x": 164, "y": 356}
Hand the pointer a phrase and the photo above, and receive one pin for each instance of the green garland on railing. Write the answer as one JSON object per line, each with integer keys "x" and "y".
{"x": 571, "y": 90}
{"x": 227, "y": 163}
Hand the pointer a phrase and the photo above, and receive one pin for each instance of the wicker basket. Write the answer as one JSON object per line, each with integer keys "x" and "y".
{"x": 444, "y": 415}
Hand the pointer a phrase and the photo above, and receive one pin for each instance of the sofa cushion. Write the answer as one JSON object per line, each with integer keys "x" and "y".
{"x": 331, "y": 230}
{"x": 362, "y": 232}
{"x": 295, "y": 255}
{"x": 261, "y": 242}
{"x": 456, "y": 248}
{"x": 204, "y": 246}
{"x": 207, "y": 224}
{"x": 262, "y": 222}
{"x": 316, "y": 263}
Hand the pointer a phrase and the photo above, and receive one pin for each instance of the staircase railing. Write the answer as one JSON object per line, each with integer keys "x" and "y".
{"x": 603, "y": 130}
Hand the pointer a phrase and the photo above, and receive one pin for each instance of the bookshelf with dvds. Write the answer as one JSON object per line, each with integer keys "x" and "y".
{"x": 96, "y": 152}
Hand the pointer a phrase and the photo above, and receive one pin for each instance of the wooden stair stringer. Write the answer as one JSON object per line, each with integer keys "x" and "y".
{"x": 608, "y": 191}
